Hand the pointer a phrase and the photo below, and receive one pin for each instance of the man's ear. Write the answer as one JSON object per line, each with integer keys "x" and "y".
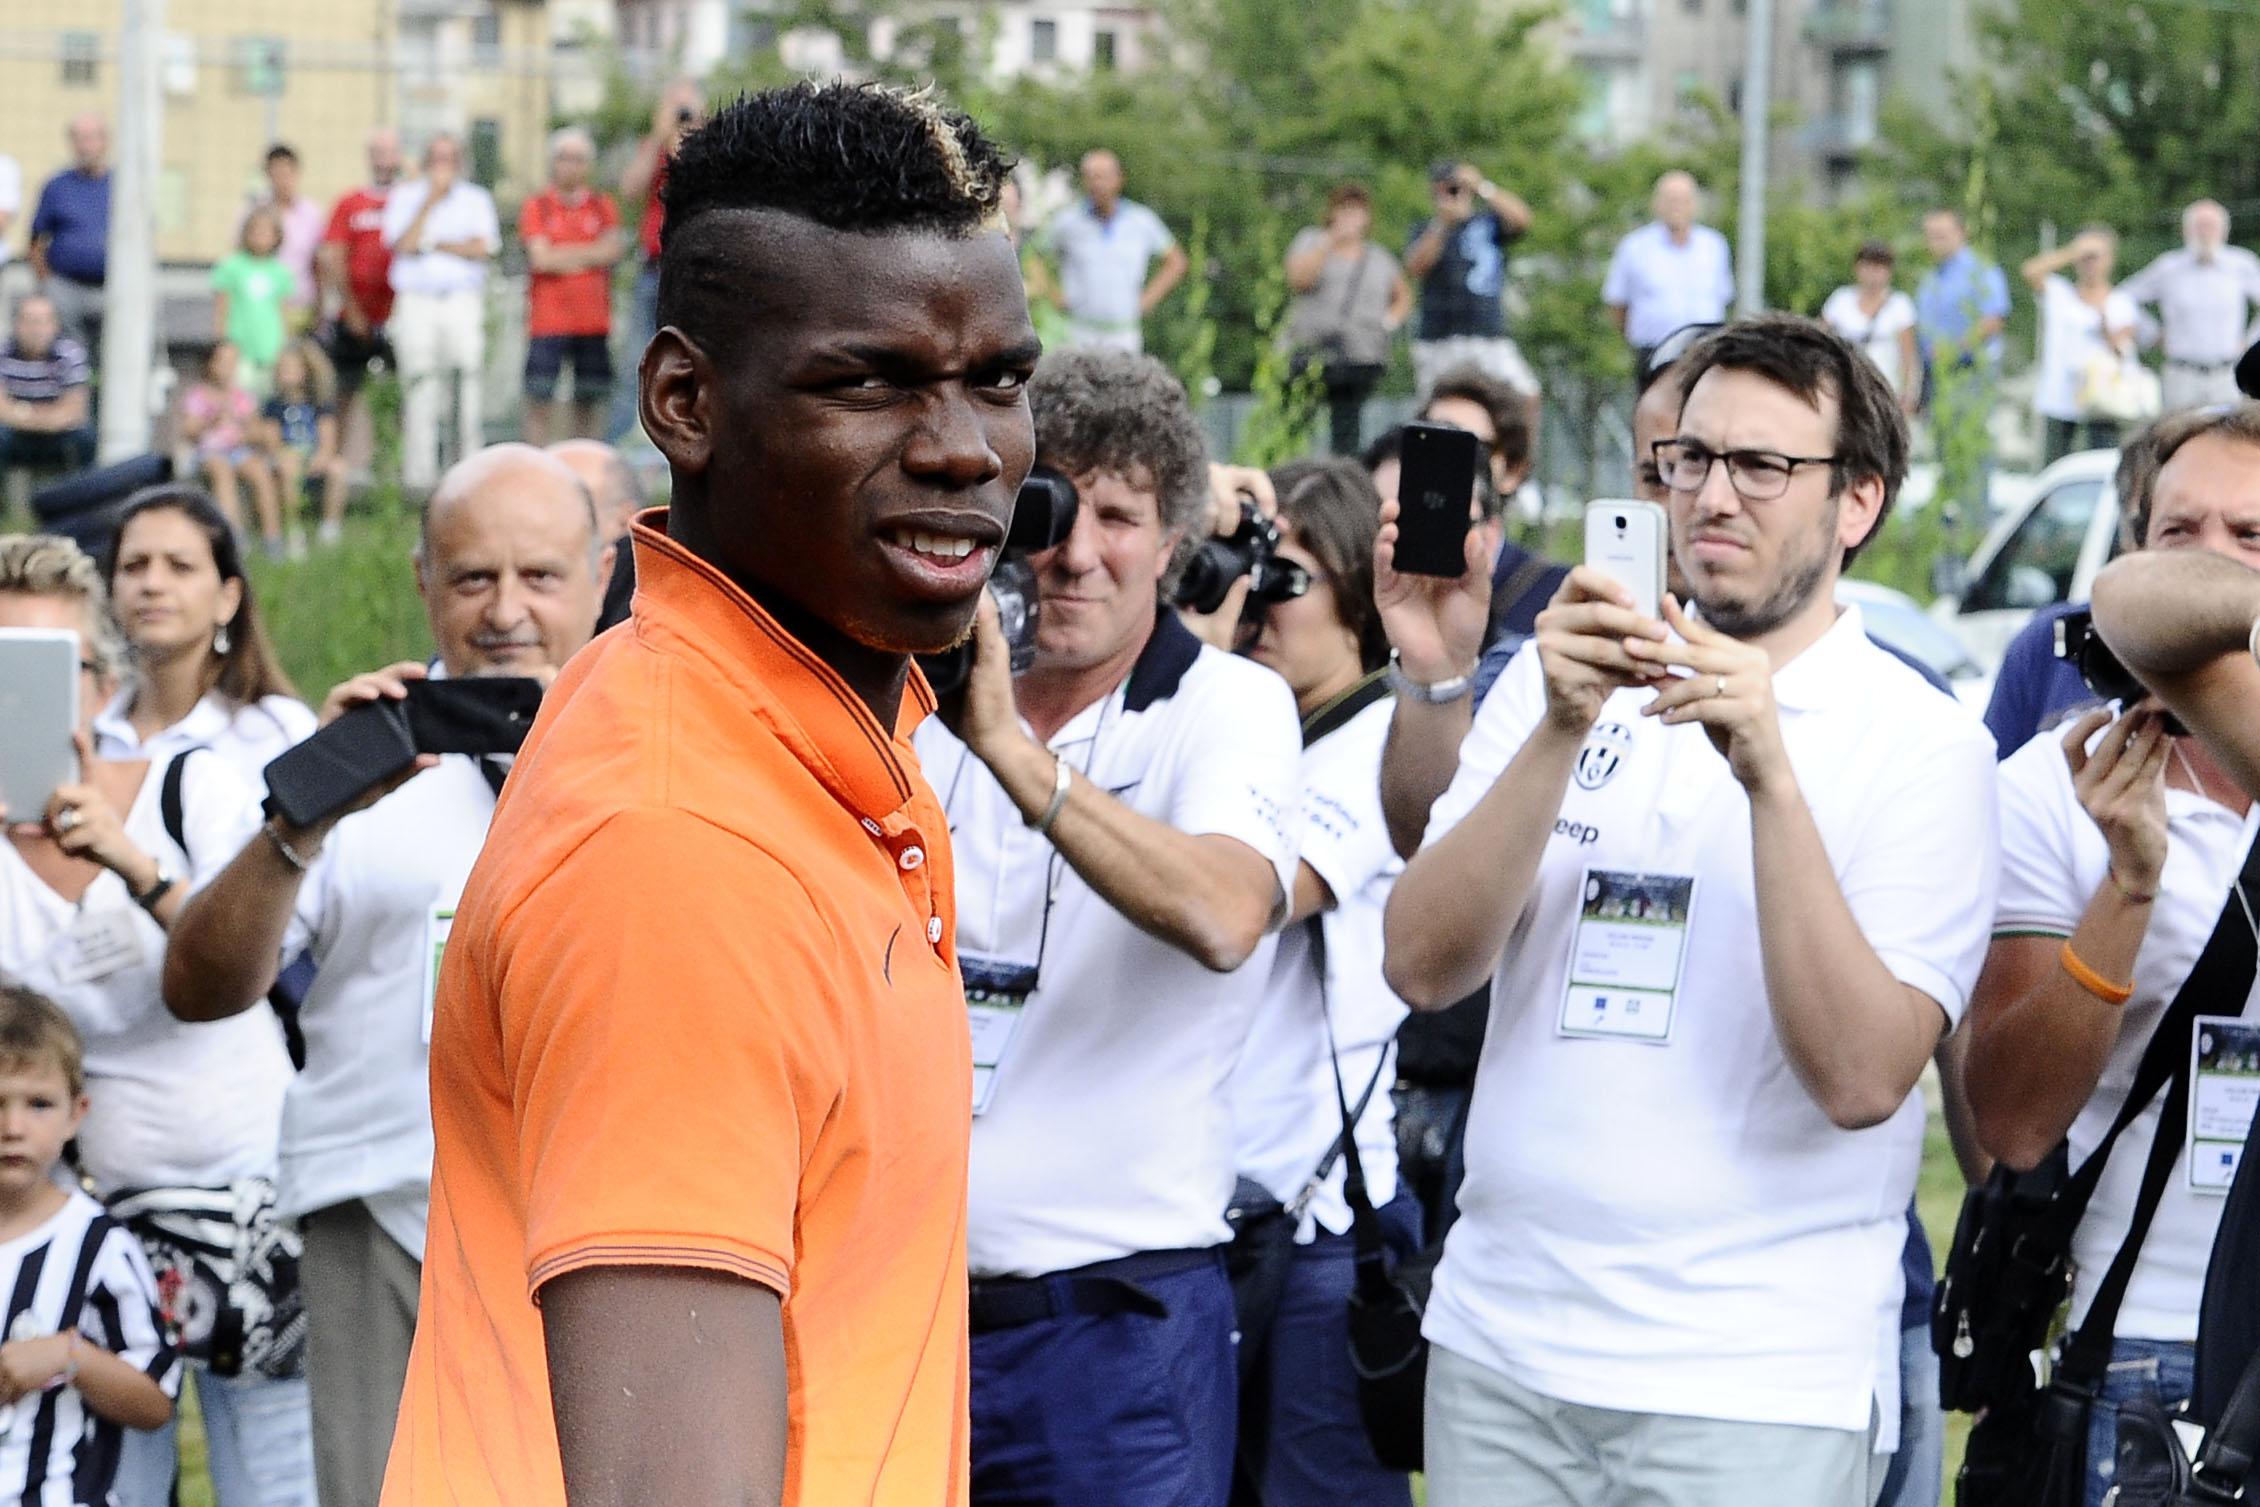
{"x": 1860, "y": 512}
{"x": 676, "y": 404}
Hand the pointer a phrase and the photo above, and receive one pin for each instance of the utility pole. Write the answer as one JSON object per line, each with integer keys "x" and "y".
{"x": 129, "y": 304}
{"x": 1757, "y": 103}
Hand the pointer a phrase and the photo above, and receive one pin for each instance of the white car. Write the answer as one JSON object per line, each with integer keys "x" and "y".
{"x": 1896, "y": 619}
{"x": 2045, "y": 550}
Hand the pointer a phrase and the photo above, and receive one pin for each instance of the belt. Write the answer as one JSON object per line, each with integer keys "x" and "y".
{"x": 2200, "y": 366}
{"x": 1105, "y": 1287}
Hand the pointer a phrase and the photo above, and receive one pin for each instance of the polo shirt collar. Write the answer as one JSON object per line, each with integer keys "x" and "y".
{"x": 1162, "y": 664}
{"x": 1828, "y": 669}
{"x": 812, "y": 710}
{"x": 207, "y": 720}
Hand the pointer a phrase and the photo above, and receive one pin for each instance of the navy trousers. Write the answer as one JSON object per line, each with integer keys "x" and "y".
{"x": 1123, "y": 1395}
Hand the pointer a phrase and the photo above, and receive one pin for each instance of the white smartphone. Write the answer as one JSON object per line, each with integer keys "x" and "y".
{"x": 1627, "y": 541}
{"x": 38, "y": 713}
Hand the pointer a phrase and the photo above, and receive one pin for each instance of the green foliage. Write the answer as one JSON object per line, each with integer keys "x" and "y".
{"x": 1288, "y": 392}
{"x": 1183, "y": 326}
{"x": 347, "y": 607}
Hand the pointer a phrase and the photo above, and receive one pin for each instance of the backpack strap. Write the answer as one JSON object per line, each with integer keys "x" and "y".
{"x": 169, "y": 800}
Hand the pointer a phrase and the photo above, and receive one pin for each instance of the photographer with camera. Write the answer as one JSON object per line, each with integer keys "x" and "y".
{"x": 2122, "y": 840}
{"x": 511, "y": 569}
{"x": 1717, "y": 977}
{"x": 1327, "y": 1020}
{"x": 1123, "y": 821}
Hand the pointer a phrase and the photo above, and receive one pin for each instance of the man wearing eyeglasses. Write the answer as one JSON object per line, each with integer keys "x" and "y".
{"x": 1729, "y": 874}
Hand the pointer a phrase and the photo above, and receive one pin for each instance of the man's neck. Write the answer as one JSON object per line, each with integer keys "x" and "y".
{"x": 1052, "y": 698}
{"x": 1680, "y": 235}
{"x": 1807, "y": 626}
{"x": 1106, "y": 211}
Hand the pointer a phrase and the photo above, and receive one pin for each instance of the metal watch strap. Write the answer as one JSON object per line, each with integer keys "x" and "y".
{"x": 1428, "y": 693}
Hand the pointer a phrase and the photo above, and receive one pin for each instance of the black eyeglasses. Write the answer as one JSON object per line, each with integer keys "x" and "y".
{"x": 1755, "y": 475}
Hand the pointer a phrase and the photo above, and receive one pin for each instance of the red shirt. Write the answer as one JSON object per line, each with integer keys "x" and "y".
{"x": 569, "y": 303}
{"x": 358, "y": 224}
{"x": 654, "y": 213}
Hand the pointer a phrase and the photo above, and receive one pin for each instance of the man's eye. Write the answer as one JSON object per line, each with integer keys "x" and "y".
{"x": 1010, "y": 381}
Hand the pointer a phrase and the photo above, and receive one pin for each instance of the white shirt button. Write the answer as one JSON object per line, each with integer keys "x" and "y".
{"x": 910, "y": 858}
{"x": 934, "y": 930}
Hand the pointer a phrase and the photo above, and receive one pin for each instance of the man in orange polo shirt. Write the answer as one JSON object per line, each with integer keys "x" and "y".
{"x": 701, "y": 1084}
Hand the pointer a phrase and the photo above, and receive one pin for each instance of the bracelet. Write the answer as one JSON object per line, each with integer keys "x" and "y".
{"x": 2093, "y": 982}
{"x": 2132, "y": 897}
{"x": 290, "y": 855}
{"x": 1061, "y": 776}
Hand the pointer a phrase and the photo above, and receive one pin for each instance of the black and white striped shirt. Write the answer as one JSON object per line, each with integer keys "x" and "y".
{"x": 81, "y": 1268}
{"x": 44, "y": 379}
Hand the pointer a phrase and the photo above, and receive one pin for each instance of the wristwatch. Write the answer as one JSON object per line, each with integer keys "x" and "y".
{"x": 150, "y": 898}
{"x": 1428, "y": 692}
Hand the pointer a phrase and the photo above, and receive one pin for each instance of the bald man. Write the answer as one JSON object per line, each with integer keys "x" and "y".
{"x": 619, "y": 497}
{"x": 511, "y": 568}
{"x": 70, "y": 233}
{"x": 1105, "y": 245}
{"x": 2206, "y": 295}
{"x": 1671, "y": 272}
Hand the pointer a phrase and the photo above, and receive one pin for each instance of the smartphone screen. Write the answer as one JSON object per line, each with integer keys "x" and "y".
{"x": 1624, "y": 540}
{"x": 39, "y": 685}
{"x": 1435, "y": 496}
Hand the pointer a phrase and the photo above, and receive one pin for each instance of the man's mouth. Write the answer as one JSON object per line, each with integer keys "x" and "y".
{"x": 935, "y": 546}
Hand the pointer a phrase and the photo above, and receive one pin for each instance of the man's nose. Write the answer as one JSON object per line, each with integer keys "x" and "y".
{"x": 951, "y": 445}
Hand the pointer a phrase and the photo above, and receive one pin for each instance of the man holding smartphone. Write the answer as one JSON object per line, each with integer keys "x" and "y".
{"x": 511, "y": 569}
{"x": 1730, "y": 873}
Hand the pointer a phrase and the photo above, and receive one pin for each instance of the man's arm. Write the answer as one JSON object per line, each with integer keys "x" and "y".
{"x": 1854, "y": 1034}
{"x": 1436, "y": 627}
{"x": 68, "y": 411}
{"x": 1167, "y": 276}
{"x": 2181, "y": 620}
{"x": 1427, "y": 248}
{"x": 1306, "y": 261}
{"x": 636, "y": 1354}
{"x": 225, "y": 946}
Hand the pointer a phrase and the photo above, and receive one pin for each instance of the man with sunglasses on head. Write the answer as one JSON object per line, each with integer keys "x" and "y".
{"x": 1728, "y": 873}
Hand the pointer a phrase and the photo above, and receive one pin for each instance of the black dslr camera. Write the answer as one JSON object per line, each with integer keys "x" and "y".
{"x": 1252, "y": 550}
{"x": 2081, "y": 647}
{"x": 1042, "y": 516}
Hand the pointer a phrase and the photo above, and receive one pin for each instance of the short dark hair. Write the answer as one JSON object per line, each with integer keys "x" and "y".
{"x": 1510, "y": 415}
{"x": 1814, "y": 362}
{"x": 281, "y": 153}
{"x": 1335, "y": 512}
{"x": 856, "y": 157}
{"x": 1875, "y": 253}
{"x": 250, "y": 670}
{"x": 2162, "y": 440}
{"x": 1126, "y": 414}
{"x": 1349, "y": 192}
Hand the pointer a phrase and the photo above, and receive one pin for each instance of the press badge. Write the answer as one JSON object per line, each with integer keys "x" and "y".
{"x": 995, "y": 994}
{"x": 98, "y": 944}
{"x": 2224, "y": 1078}
{"x": 1626, "y": 955}
{"x": 442, "y": 921}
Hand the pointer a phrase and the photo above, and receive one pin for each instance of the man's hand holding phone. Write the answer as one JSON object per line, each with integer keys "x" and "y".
{"x": 1582, "y": 648}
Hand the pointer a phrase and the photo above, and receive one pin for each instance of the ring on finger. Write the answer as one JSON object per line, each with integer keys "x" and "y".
{"x": 67, "y": 818}
{"x": 1719, "y": 689}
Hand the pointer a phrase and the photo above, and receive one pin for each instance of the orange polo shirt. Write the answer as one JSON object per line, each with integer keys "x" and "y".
{"x": 700, "y": 1007}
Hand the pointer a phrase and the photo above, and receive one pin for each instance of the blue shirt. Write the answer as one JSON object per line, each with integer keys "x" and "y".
{"x": 1954, "y": 296}
{"x": 2034, "y": 686}
{"x": 74, "y": 216}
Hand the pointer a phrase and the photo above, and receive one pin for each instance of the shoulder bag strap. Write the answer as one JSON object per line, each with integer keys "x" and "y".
{"x": 1344, "y": 1144}
{"x": 169, "y": 801}
{"x": 2224, "y": 970}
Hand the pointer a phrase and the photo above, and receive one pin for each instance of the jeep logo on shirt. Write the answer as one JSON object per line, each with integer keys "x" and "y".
{"x": 1605, "y": 748}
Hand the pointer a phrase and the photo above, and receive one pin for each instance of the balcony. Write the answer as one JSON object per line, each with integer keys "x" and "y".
{"x": 1840, "y": 138}
{"x": 1849, "y": 28}
{"x": 1602, "y": 34}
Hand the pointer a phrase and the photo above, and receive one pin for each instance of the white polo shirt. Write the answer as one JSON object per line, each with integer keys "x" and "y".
{"x": 1108, "y": 1130}
{"x": 2053, "y": 860}
{"x": 245, "y": 738}
{"x": 1664, "y": 286}
{"x": 358, "y": 1121}
{"x": 1283, "y": 1105}
{"x": 467, "y": 213}
{"x": 1678, "y": 1228}
{"x": 174, "y": 1103}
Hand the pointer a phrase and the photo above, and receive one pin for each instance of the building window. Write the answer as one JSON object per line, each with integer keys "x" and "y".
{"x": 1686, "y": 90}
{"x": 1043, "y": 41}
{"x": 486, "y": 30}
{"x": 1692, "y": 7}
{"x": 259, "y": 64}
{"x": 486, "y": 151}
{"x": 1734, "y": 96}
{"x": 82, "y": 58}
{"x": 1102, "y": 49}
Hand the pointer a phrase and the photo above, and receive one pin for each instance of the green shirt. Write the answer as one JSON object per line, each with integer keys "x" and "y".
{"x": 256, "y": 287}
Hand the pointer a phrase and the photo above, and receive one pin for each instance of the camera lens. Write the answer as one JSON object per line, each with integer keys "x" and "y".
{"x": 1620, "y": 523}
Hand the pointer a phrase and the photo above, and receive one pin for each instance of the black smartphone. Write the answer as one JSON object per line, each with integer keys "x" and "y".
{"x": 372, "y": 743}
{"x": 1435, "y": 497}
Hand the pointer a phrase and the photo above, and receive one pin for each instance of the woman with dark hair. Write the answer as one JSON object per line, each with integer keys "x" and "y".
{"x": 1325, "y": 1010}
{"x": 1350, "y": 297}
{"x": 1879, "y": 319}
{"x": 204, "y": 673}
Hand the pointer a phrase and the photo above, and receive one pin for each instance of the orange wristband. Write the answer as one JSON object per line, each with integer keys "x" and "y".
{"x": 2093, "y": 982}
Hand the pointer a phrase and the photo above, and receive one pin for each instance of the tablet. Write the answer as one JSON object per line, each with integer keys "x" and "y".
{"x": 39, "y": 683}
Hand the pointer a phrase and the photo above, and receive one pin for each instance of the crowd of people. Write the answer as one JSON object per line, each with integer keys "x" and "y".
{"x": 778, "y": 1082}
